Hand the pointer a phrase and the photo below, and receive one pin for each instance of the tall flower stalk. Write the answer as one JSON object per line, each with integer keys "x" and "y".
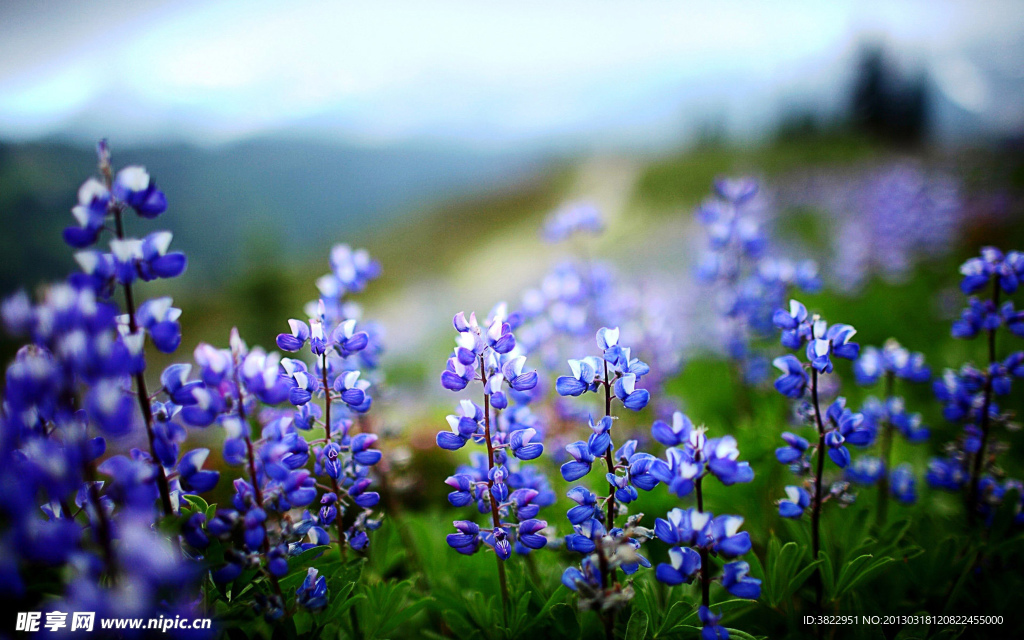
{"x": 887, "y": 417}
{"x": 969, "y": 395}
{"x": 696, "y": 534}
{"x": 605, "y": 546}
{"x": 835, "y": 428}
{"x": 130, "y": 259}
{"x": 489, "y": 355}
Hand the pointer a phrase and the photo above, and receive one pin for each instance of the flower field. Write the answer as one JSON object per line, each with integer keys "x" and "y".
{"x": 690, "y": 404}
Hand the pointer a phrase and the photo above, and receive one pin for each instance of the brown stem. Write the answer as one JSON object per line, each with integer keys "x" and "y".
{"x": 816, "y": 507}
{"x": 979, "y": 457}
{"x": 327, "y": 440}
{"x": 257, "y": 491}
{"x": 705, "y": 569}
{"x": 140, "y": 384}
{"x": 103, "y": 531}
{"x": 609, "y": 460}
{"x": 608, "y": 572}
{"x": 495, "y": 518}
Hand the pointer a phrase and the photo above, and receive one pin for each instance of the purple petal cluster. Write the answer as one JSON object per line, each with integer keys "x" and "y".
{"x": 748, "y": 277}
{"x": 496, "y": 481}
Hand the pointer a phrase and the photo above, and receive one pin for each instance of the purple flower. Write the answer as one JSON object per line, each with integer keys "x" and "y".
{"x": 797, "y": 500}
{"x": 793, "y": 381}
{"x": 737, "y": 581}
{"x": 134, "y": 187}
{"x": 682, "y": 566}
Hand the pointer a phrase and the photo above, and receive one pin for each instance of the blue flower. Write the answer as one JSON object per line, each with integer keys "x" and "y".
{"x": 728, "y": 540}
{"x": 464, "y": 490}
{"x": 826, "y": 342}
{"x": 353, "y": 391}
{"x": 797, "y": 500}
{"x": 347, "y": 340}
{"x": 721, "y": 454}
{"x": 947, "y": 474}
{"x": 682, "y": 567}
{"x": 866, "y": 470}
{"x": 177, "y": 386}
{"x": 737, "y": 581}
{"x": 583, "y": 460}
{"x": 676, "y": 434}
{"x": 134, "y": 187}
{"x": 681, "y": 527}
{"x": 588, "y": 574}
{"x": 902, "y": 484}
{"x": 583, "y": 378}
{"x": 528, "y": 533}
{"x": 90, "y": 213}
{"x": 624, "y": 491}
{"x": 160, "y": 320}
{"x": 678, "y": 471}
{"x": 295, "y": 340}
{"x": 793, "y": 381}
{"x": 977, "y": 272}
{"x": 585, "y": 535}
{"x": 711, "y": 630}
{"x": 312, "y": 594}
{"x": 192, "y": 476}
{"x": 586, "y": 505}
{"x": 467, "y": 540}
{"x": 795, "y": 449}
{"x": 632, "y": 398}
{"x": 521, "y": 446}
{"x": 980, "y": 315}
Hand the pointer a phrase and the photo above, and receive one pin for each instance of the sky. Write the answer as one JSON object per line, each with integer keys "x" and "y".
{"x": 481, "y": 73}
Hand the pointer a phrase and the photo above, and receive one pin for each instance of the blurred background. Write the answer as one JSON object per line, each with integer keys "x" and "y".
{"x": 440, "y": 135}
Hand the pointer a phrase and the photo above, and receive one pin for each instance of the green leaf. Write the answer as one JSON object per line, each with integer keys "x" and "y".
{"x": 198, "y": 504}
{"x": 783, "y": 562}
{"x": 566, "y": 622}
{"x": 339, "y": 600}
{"x": 461, "y": 627}
{"x": 799, "y": 579}
{"x": 676, "y": 615}
{"x": 851, "y": 570}
{"x": 740, "y": 635}
{"x": 400, "y": 617}
{"x": 637, "y": 627}
{"x": 868, "y": 572}
{"x": 827, "y": 574}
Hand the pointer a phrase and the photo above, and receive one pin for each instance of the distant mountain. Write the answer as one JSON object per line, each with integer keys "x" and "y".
{"x": 297, "y": 197}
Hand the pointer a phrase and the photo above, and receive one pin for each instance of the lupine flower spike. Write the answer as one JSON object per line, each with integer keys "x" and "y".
{"x": 969, "y": 395}
{"x": 836, "y": 428}
{"x": 511, "y": 494}
{"x": 749, "y": 278}
{"x": 696, "y": 534}
{"x": 883, "y": 417}
{"x": 606, "y": 547}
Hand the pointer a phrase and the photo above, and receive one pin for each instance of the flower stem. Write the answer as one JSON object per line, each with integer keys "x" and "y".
{"x": 257, "y": 491}
{"x": 327, "y": 440}
{"x": 609, "y": 460}
{"x": 103, "y": 531}
{"x": 495, "y": 518}
{"x": 816, "y": 507}
{"x": 705, "y": 569}
{"x": 140, "y": 384}
{"x": 979, "y": 457}
{"x": 607, "y": 571}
